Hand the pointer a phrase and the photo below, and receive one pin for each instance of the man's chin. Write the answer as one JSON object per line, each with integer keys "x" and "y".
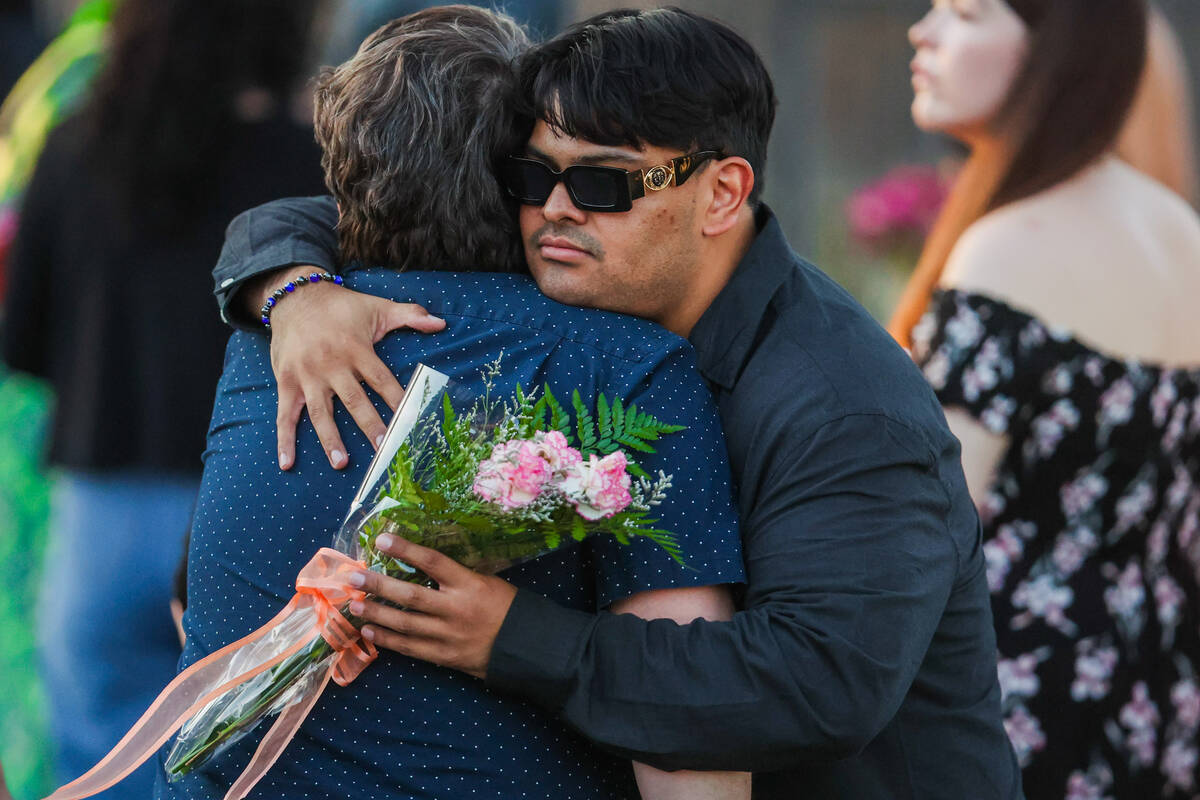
{"x": 560, "y": 283}
{"x": 563, "y": 292}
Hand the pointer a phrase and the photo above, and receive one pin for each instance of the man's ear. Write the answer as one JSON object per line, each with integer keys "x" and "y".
{"x": 730, "y": 180}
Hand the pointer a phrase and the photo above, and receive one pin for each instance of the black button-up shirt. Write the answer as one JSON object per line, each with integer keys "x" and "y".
{"x": 863, "y": 664}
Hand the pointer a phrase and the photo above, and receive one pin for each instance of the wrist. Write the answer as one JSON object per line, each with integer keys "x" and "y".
{"x": 297, "y": 279}
{"x": 254, "y": 292}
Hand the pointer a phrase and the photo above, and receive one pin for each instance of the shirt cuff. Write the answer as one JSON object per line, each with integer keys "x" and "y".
{"x": 227, "y": 289}
{"x": 537, "y": 649}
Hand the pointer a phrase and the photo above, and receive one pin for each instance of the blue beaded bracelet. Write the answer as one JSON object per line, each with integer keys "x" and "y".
{"x": 289, "y": 287}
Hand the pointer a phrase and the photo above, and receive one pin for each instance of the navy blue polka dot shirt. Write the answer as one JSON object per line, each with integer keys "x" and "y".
{"x": 405, "y": 729}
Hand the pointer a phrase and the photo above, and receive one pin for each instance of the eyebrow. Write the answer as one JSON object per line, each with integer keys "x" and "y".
{"x": 604, "y": 156}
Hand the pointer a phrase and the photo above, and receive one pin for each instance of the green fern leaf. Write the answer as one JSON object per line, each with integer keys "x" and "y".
{"x": 603, "y": 417}
{"x": 652, "y": 423}
{"x": 618, "y": 418}
{"x": 448, "y": 418}
{"x": 667, "y": 541}
{"x": 634, "y": 443}
{"x": 538, "y": 416}
{"x": 633, "y": 469}
{"x": 560, "y": 420}
{"x": 584, "y": 424}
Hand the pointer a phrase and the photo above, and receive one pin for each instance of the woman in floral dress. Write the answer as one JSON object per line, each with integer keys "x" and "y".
{"x": 1053, "y": 310}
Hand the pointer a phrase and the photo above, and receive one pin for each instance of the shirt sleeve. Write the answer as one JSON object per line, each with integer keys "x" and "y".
{"x": 984, "y": 357}
{"x": 295, "y": 230}
{"x": 850, "y": 564}
{"x": 698, "y": 508}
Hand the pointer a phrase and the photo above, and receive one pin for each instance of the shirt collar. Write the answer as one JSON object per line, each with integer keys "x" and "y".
{"x": 724, "y": 335}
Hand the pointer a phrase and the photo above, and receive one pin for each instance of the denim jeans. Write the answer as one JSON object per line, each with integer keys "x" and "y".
{"x": 106, "y": 642}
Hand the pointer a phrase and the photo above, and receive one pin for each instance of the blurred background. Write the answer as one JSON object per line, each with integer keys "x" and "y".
{"x": 851, "y": 179}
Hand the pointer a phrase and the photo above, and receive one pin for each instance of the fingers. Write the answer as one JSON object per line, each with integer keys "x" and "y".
{"x": 394, "y": 620}
{"x": 362, "y": 411}
{"x": 381, "y": 380}
{"x": 395, "y": 316}
{"x": 407, "y": 595}
{"x": 425, "y": 648}
{"x": 443, "y": 569}
{"x": 291, "y": 403}
{"x": 320, "y": 413}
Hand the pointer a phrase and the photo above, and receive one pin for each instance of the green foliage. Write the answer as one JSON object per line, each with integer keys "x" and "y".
{"x": 613, "y": 427}
{"x": 560, "y": 420}
{"x": 24, "y": 505}
{"x": 585, "y": 425}
{"x": 437, "y": 504}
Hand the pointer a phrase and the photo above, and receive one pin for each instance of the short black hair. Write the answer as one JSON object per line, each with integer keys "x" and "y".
{"x": 664, "y": 77}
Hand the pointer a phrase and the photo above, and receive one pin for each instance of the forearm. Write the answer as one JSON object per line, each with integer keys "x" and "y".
{"x": 848, "y": 582}
{"x": 262, "y": 241}
{"x": 683, "y": 606}
{"x": 719, "y": 696}
{"x": 656, "y": 784}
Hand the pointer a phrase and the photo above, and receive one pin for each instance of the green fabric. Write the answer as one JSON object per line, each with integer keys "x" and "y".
{"x": 24, "y": 507}
{"x": 49, "y": 90}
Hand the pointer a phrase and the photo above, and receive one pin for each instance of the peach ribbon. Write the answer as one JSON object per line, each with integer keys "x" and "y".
{"x": 322, "y": 586}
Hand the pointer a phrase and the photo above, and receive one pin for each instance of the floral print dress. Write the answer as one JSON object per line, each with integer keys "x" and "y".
{"x": 1092, "y": 543}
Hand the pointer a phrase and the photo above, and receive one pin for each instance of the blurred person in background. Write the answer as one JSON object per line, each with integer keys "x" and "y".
{"x": 120, "y": 224}
{"x": 1158, "y": 137}
{"x": 1056, "y": 308}
{"x": 20, "y": 41}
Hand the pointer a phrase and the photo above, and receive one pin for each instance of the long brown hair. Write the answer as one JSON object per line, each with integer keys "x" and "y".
{"x": 1064, "y": 110}
{"x": 411, "y": 128}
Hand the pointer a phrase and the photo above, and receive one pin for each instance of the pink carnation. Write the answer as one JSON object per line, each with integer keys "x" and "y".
{"x": 513, "y": 475}
{"x": 599, "y": 488}
{"x": 553, "y": 448}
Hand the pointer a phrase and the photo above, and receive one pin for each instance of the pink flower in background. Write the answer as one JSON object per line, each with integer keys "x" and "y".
{"x": 1025, "y": 732}
{"x": 902, "y": 204}
{"x": 8, "y": 232}
{"x": 599, "y": 488}
{"x": 513, "y": 475}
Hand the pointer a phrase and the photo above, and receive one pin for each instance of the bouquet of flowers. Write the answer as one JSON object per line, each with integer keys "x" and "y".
{"x": 505, "y": 481}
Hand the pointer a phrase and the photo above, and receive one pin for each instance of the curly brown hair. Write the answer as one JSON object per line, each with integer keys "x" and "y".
{"x": 411, "y": 128}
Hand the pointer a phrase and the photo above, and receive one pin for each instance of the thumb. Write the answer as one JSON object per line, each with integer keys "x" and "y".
{"x": 396, "y": 316}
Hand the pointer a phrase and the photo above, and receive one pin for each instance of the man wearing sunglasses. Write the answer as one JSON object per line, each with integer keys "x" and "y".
{"x": 863, "y": 662}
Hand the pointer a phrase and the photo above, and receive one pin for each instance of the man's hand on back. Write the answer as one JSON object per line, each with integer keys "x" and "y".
{"x": 323, "y": 344}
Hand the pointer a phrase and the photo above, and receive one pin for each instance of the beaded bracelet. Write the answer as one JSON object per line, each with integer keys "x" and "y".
{"x": 290, "y": 287}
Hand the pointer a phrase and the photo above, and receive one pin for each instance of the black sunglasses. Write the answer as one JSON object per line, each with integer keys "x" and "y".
{"x": 595, "y": 188}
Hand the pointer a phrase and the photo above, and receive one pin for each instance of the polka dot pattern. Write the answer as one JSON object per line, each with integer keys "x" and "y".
{"x": 405, "y": 729}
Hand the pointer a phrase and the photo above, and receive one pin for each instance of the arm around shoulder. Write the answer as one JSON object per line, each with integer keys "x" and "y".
{"x": 851, "y": 564}
{"x": 282, "y": 233}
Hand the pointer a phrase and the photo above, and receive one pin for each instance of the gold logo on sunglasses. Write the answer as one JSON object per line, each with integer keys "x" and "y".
{"x": 658, "y": 178}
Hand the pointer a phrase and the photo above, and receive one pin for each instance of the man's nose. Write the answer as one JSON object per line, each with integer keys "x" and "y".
{"x": 559, "y": 207}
